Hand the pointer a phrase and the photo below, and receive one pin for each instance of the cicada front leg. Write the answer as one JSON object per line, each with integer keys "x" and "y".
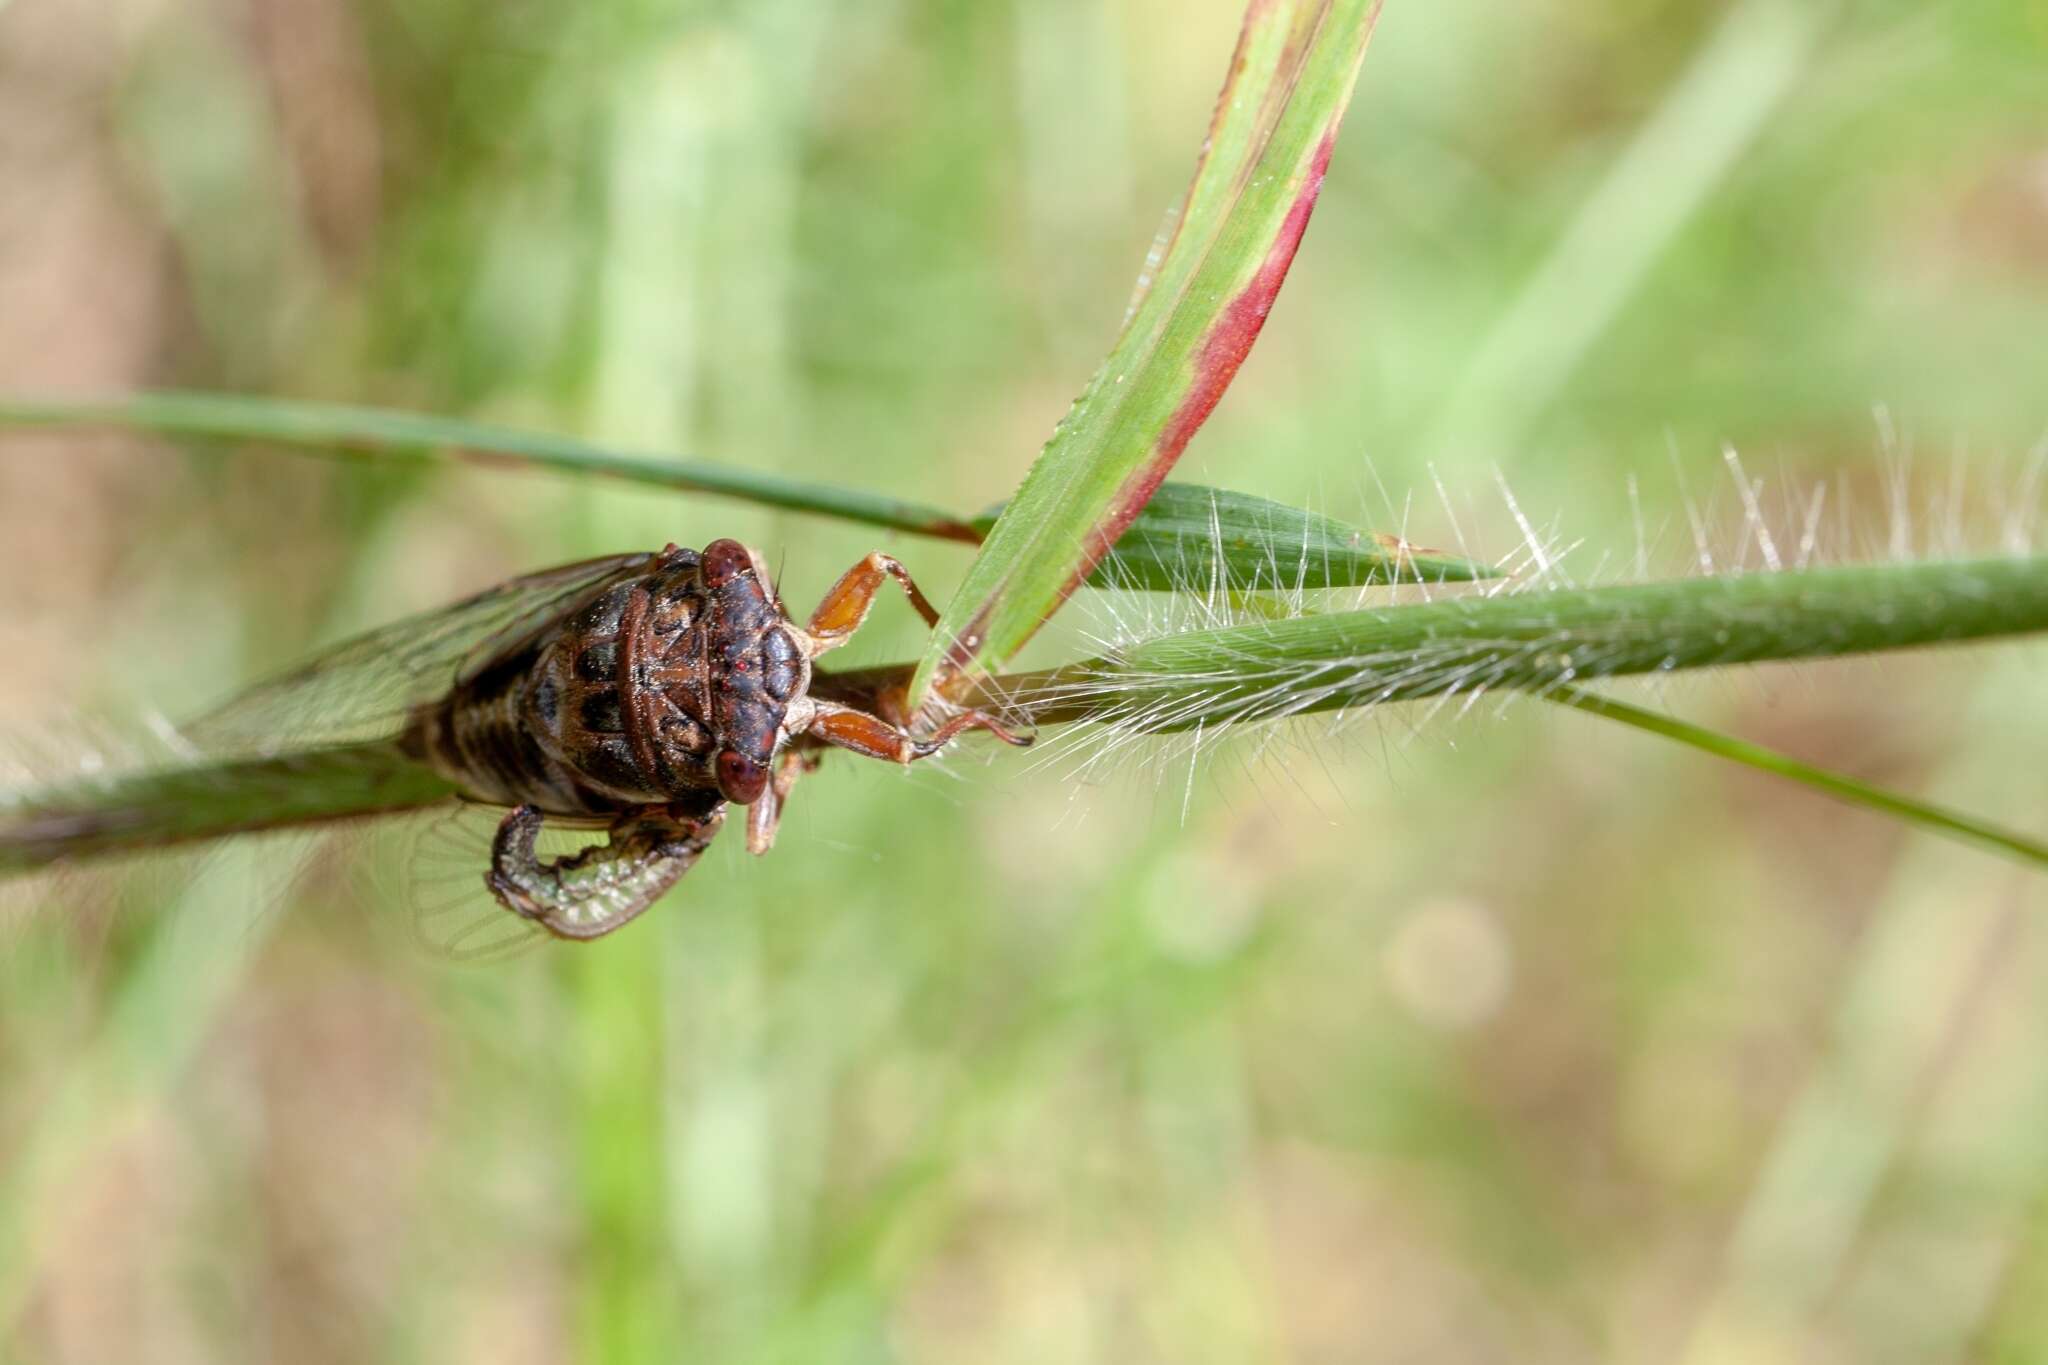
{"x": 846, "y": 604}
{"x": 876, "y": 734}
{"x": 589, "y": 894}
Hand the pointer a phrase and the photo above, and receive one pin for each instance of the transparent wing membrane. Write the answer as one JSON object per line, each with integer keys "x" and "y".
{"x": 430, "y": 869}
{"x": 362, "y": 688}
{"x": 308, "y": 748}
{"x": 413, "y": 878}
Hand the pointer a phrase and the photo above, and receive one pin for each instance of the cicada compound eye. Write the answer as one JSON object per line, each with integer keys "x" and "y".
{"x": 740, "y": 779}
{"x": 724, "y": 560}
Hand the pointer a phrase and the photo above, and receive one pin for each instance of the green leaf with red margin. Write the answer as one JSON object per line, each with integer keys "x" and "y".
{"x": 1198, "y": 309}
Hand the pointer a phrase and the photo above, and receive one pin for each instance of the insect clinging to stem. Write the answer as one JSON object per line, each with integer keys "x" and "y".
{"x": 670, "y": 686}
{"x": 638, "y": 694}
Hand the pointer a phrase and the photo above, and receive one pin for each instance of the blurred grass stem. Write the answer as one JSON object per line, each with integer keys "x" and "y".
{"x": 1752, "y": 60}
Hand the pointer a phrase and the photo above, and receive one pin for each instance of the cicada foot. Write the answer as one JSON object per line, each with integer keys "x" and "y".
{"x": 588, "y": 894}
{"x": 862, "y": 732}
{"x": 965, "y": 721}
{"x": 881, "y": 733}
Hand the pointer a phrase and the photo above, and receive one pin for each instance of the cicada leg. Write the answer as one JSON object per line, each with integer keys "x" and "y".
{"x": 589, "y": 894}
{"x": 862, "y": 732}
{"x": 846, "y": 605}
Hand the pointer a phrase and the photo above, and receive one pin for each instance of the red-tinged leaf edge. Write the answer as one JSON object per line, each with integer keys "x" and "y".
{"x": 994, "y": 624}
{"x": 1224, "y": 349}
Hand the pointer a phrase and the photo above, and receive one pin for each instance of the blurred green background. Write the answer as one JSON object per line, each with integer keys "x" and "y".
{"x": 1436, "y": 1035}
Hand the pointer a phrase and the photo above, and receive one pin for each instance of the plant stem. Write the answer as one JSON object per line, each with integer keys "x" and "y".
{"x": 1949, "y": 824}
{"x": 1185, "y": 535}
{"x": 1532, "y": 641}
{"x": 340, "y": 431}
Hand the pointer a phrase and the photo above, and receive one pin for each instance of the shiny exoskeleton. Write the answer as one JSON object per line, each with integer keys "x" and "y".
{"x": 678, "y": 685}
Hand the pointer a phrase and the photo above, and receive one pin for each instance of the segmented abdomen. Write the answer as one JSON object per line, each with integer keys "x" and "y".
{"x": 602, "y": 712}
{"x": 479, "y": 737}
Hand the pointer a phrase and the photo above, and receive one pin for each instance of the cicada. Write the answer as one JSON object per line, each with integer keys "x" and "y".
{"x": 639, "y": 694}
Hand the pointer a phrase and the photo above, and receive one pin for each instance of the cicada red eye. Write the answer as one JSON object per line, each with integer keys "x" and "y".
{"x": 740, "y": 779}
{"x": 724, "y": 560}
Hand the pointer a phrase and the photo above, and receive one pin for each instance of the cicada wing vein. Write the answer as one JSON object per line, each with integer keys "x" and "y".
{"x": 363, "y": 688}
{"x": 430, "y": 868}
{"x": 245, "y": 888}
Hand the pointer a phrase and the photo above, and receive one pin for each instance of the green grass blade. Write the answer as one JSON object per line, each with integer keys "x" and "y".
{"x": 1190, "y": 538}
{"x": 1188, "y": 534}
{"x": 207, "y": 800}
{"x": 1948, "y": 824}
{"x": 1194, "y": 320}
{"x": 347, "y": 432}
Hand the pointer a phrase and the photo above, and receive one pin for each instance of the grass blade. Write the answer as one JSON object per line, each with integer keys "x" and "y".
{"x": 1948, "y": 824}
{"x": 1195, "y": 317}
{"x": 346, "y": 432}
{"x": 1187, "y": 534}
{"x": 1192, "y": 538}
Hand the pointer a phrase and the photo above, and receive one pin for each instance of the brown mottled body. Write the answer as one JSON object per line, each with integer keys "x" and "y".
{"x": 621, "y": 701}
{"x": 671, "y": 688}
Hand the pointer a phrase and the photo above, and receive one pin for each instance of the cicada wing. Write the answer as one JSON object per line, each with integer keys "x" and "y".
{"x": 237, "y": 891}
{"x": 414, "y": 879}
{"x": 430, "y": 871}
{"x": 100, "y": 834}
{"x": 363, "y": 688}
{"x": 307, "y": 747}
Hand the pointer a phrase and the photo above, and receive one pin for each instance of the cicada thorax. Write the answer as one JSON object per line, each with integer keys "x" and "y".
{"x": 670, "y": 687}
{"x": 618, "y": 695}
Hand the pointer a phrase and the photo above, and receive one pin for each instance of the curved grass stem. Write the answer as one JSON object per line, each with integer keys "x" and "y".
{"x": 1185, "y": 534}
{"x": 346, "y": 432}
{"x": 1921, "y": 814}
